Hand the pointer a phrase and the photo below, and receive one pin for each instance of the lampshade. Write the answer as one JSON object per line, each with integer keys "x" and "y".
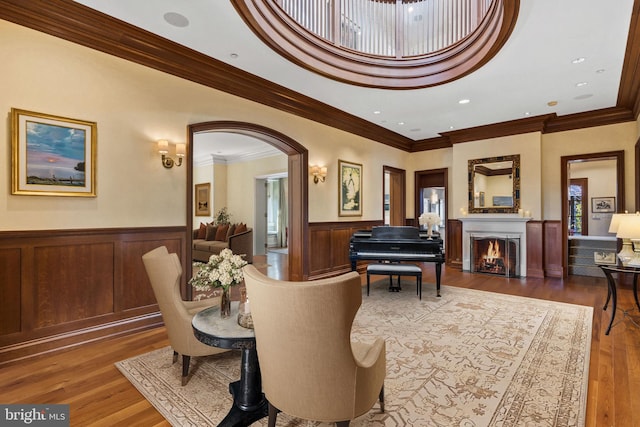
{"x": 180, "y": 149}
{"x": 629, "y": 226}
{"x": 615, "y": 221}
{"x": 163, "y": 146}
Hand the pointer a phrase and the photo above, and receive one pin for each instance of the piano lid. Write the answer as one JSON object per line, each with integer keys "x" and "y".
{"x": 395, "y": 232}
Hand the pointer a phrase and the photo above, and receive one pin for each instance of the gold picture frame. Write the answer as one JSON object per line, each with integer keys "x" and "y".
{"x": 52, "y": 155}
{"x": 202, "y": 199}
{"x": 350, "y": 188}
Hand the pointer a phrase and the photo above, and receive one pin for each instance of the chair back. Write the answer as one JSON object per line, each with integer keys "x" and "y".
{"x": 164, "y": 271}
{"x": 303, "y": 334}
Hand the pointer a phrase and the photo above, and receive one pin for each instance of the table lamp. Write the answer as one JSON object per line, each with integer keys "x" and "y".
{"x": 629, "y": 231}
{"x": 626, "y": 252}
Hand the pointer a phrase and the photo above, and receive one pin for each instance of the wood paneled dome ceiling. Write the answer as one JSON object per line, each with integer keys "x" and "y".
{"x": 390, "y": 44}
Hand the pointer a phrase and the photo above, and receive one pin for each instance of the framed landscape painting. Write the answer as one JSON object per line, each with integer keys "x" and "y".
{"x": 202, "y": 199}
{"x": 350, "y": 191}
{"x": 52, "y": 156}
{"x": 603, "y": 204}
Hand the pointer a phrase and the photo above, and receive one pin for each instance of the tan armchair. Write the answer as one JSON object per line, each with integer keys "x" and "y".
{"x": 310, "y": 367}
{"x": 164, "y": 271}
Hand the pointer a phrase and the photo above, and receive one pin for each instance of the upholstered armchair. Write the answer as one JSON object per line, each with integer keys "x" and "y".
{"x": 164, "y": 271}
{"x": 310, "y": 367}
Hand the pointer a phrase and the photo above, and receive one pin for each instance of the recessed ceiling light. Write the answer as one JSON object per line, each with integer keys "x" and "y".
{"x": 526, "y": 113}
{"x": 600, "y": 71}
{"x": 376, "y": 112}
{"x": 415, "y": 130}
{"x": 585, "y": 96}
{"x": 580, "y": 84}
{"x": 176, "y": 19}
{"x": 450, "y": 127}
{"x": 233, "y": 55}
{"x": 552, "y": 103}
{"x": 401, "y": 123}
{"x": 578, "y": 60}
{"x": 464, "y": 101}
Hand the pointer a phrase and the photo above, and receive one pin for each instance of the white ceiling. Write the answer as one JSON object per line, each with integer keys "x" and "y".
{"x": 532, "y": 69}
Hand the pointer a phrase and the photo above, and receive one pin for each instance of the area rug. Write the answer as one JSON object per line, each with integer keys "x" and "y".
{"x": 470, "y": 358}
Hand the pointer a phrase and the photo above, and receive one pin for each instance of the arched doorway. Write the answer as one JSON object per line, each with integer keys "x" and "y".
{"x": 298, "y": 185}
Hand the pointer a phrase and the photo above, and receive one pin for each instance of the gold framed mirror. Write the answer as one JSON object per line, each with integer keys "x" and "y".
{"x": 494, "y": 184}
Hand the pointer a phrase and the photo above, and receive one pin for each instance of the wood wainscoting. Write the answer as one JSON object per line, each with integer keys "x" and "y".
{"x": 329, "y": 246}
{"x": 61, "y": 288}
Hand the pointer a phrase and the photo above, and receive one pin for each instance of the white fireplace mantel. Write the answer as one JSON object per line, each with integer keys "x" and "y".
{"x": 494, "y": 226}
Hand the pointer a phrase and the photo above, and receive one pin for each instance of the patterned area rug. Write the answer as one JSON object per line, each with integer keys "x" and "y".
{"x": 470, "y": 358}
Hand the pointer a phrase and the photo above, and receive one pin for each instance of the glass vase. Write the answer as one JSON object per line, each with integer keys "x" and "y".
{"x": 225, "y": 304}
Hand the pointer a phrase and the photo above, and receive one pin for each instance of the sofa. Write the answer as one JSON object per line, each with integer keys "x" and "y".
{"x": 211, "y": 239}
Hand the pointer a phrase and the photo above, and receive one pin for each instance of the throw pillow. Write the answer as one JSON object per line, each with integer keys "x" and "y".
{"x": 241, "y": 228}
{"x": 221, "y": 234}
{"x": 230, "y": 232}
{"x": 202, "y": 231}
{"x": 211, "y": 232}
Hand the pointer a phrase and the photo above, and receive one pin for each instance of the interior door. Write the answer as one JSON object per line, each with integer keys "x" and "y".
{"x": 394, "y": 188}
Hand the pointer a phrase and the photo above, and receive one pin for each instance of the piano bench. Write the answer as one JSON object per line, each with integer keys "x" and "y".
{"x": 386, "y": 269}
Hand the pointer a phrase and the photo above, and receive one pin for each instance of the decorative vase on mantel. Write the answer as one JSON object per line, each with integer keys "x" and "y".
{"x": 225, "y": 303}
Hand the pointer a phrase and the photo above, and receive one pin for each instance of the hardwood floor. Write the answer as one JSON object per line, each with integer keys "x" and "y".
{"x": 98, "y": 395}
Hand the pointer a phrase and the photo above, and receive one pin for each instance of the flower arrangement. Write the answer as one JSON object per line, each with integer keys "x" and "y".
{"x": 222, "y": 271}
{"x": 429, "y": 218}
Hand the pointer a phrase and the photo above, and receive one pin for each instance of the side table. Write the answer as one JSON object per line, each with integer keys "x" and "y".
{"x": 249, "y": 403}
{"x": 612, "y": 294}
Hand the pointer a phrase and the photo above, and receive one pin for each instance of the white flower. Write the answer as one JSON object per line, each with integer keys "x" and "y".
{"x": 429, "y": 218}
{"x": 222, "y": 271}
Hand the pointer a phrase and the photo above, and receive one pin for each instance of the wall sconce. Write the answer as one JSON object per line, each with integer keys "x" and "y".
{"x": 168, "y": 162}
{"x": 319, "y": 173}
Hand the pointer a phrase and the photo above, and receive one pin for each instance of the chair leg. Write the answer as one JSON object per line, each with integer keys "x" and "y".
{"x": 185, "y": 369}
{"x": 273, "y": 414}
{"x": 381, "y": 397}
{"x": 342, "y": 424}
{"x": 175, "y": 356}
{"x": 368, "y": 283}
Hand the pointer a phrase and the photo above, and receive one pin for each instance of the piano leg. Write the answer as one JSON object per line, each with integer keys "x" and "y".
{"x": 438, "y": 274}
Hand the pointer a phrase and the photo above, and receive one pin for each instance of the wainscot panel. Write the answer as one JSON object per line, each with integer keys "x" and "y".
{"x": 61, "y": 288}
{"x": 329, "y": 246}
{"x": 453, "y": 249}
{"x": 553, "y": 252}
{"x": 535, "y": 249}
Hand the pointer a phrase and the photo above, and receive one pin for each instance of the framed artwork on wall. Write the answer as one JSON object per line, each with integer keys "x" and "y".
{"x": 603, "y": 204}
{"x": 350, "y": 191}
{"x": 202, "y": 204}
{"x": 52, "y": 155}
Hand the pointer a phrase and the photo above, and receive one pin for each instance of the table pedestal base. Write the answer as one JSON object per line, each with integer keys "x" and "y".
{"x": 239, "y": 417}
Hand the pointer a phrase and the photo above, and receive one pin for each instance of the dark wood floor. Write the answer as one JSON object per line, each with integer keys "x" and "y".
{"x": 99, "y": 395}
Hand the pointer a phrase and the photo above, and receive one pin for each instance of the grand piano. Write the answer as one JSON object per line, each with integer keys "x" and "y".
{"x": 396, "y": 244}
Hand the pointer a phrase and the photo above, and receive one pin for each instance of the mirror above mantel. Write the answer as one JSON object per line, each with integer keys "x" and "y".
{"x": 494, "y": 184}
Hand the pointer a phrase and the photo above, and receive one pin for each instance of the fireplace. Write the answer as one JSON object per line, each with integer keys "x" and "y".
{"x": 499, "y": 255}
{"x": 487, "y": 226}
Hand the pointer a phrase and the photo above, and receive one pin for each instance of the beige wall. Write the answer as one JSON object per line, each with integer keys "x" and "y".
{"x": 241, "y": 182}
{"x": 585, "y": 141}
{"x": 601, "y": 182}
{"x": 134, "y": 106}
{"x": 526, "y": 145}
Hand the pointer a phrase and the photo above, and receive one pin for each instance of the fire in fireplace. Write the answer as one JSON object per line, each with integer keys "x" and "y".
{"x": 495, "y": 255}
